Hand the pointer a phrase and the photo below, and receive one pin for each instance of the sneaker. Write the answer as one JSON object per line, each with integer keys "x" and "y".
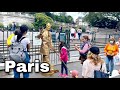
{"x": 60, "y": 75}
{"x": 110, "y": 74}
{"x": 65, "y": 76}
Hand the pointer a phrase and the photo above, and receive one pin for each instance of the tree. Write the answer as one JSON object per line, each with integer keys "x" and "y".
{"x": 10, "y": 26}
{"x": 93, "y": 16}
{"x": 41, "y": 20}
{"x": 114, "y": 16}
{"x": 60, "y": 18}
{"x": 102, "y": 19}
{"x": 69, "y": 19}
{"x": 55, "y": 27}
{"x": 1, "y": 25}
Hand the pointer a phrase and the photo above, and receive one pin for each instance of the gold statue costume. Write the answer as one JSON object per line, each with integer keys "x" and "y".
{"x": 46, "y": 45}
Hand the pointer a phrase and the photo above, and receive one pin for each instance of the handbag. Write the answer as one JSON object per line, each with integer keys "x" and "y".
{"x": 100, "y": 73}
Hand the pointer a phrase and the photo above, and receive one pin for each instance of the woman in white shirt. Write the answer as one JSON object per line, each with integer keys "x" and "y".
{"x": 92, "y": 63}
{"x": 26, "y": 44}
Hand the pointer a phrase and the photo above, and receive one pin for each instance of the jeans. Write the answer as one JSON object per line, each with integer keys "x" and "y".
{"x": 79, "y": 34}
{"x": 109, "y": 64}
{"x": 64, "y": 66}
{"x": 26, "y": 74}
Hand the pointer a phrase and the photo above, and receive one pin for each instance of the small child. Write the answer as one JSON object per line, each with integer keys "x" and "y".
{"x": 74, "y": 73}
{"x": 64, "y": 59}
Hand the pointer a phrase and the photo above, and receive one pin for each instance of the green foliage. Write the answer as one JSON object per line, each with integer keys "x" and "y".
{"x": 83, "y": 29}
{"x": 10, "y": 26}
{"x": 60, "y": 18}
{"x": 55, "y": 27}
{"x": 17, "y": 25}
{"x": 41, "y": 20}
{"x": 1, "y": 25}
{"x": 92, "y": 17}
{"x": 102, "y": 19}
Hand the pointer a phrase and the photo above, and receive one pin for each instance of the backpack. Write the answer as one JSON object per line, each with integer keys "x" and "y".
{"x": 16, "y": 51}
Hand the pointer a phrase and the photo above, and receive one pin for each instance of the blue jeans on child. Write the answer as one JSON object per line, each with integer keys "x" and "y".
{"x": 26, "y": 74}
{"x": 64, "y": 66}
{"x": 109, "y": 64}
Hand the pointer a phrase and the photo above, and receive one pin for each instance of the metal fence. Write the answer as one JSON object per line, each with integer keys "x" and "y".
{"x": 98, "y": 39}
{"x": 103, "y": 39}
{"x": 34, "y": 50}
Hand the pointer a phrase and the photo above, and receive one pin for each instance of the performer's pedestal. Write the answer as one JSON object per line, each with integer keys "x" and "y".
{"x": 51, "y": 72}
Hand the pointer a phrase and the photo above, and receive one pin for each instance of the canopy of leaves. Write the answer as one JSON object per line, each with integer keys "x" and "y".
{"x": 60, "y": 18}
{"x": 102, "y": 19}
{"x": 41, "y": 20}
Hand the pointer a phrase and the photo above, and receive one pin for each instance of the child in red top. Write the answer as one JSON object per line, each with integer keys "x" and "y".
{"x": 64, "y": 59}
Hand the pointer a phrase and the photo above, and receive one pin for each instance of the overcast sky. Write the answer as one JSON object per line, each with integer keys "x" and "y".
{"x": 75, "y": 15}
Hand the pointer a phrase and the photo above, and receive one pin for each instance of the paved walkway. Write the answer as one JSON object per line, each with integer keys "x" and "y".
{"x": 74, "y": 64}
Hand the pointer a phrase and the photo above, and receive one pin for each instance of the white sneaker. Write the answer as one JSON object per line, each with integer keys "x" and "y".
{"x": 108, "y": 72}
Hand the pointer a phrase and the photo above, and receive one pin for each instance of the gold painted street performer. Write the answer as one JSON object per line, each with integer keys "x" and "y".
{"x": 46, "y": 46}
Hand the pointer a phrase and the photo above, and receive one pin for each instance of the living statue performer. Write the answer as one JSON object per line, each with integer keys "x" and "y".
{"x": 46, "y": 46}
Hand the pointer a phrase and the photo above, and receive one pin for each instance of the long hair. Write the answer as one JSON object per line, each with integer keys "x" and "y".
{"x": 95, "y": 58}
{"x": 23, "y": 29}
{"x": 62, "y": 43}
{"x": 86, "y": 37}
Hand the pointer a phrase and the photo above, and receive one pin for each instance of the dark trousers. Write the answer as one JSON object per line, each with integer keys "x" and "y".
{"x": 79, "y": 34}
{"x": 64, "y": 66}
{"x": 17, "y": 74}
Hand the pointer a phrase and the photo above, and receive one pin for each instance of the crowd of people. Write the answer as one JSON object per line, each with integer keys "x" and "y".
{"x": 91, "y": 60}
{"x": 89, "y": 55}
{"x": 73, "y": 33}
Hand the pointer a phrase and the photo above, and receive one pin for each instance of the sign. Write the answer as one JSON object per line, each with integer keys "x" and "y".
{"x": 62, "y": 37}
{"x": 36, "y": 41}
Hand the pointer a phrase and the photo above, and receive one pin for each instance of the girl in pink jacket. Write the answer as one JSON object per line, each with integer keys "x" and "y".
{"x": 64, "y": 59}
